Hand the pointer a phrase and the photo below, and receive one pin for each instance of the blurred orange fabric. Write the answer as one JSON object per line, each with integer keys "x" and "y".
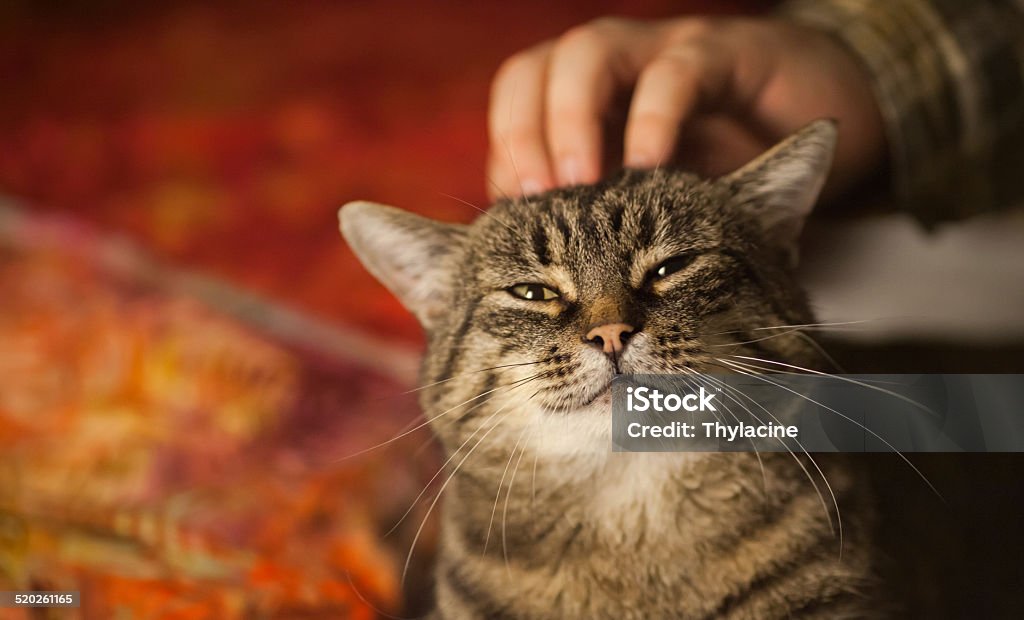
{"x": 160, "y": 452}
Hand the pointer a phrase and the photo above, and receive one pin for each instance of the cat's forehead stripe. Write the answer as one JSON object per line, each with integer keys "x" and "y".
{"x": 616, "y": 218}
{"x": 540, "y": 244}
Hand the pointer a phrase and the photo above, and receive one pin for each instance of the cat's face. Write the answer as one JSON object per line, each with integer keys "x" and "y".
{"x": 538, "y": 304}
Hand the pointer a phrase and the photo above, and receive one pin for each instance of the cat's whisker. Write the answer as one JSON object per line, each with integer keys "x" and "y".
{"x": 440, "y": 469}
{"x": 474, "y": 372}
{"x": 503, "y": 193}
{"x": 440, "y": 492}
{"x": 504, "y": 143}
{"x": 760, "y": 462}
{"x": 544, "y": 373}
{"x": 717, "y": 417}
{"x": 400, "y": 435}
{"x": 821, "y": 326}
{"x": 533, "y": 481}
{"x": 432, "y": 437}
{"x": 728, "y": 390}
{"x": 501, "y": 482}
{"x": 738, "y": 367}
{"x": 896, "y": 395}
{"x": 510, "y": 387}
{"x": 738, "y": 343}
{"x": 420, "y": 425}
{"x": 487, "y": 213}
{"x": 448, "y": 421}
{"x": 376, "y": 610}
{"x": 508, "y": 494}
{"x": 820, "y": 350}
{"x": 412, "y": 426}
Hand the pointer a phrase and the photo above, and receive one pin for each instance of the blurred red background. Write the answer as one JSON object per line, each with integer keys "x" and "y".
{"x": 225, "y": 137}
{"x": 171, "y": 446}
{"x": 149, "y": 436}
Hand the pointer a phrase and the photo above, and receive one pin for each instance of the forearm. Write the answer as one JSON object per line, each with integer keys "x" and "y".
{"x": 949, "y": 81}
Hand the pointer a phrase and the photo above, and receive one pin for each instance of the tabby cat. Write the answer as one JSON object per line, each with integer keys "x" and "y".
{"x": 530, "y": 312}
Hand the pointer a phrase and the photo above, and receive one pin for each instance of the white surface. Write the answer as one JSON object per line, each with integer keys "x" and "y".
{"x": 962, "y": 282}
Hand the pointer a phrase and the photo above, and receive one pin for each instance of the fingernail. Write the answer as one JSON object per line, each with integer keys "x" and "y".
{"x": 640, "y": 160}
{"x": 531, "y": 186}
{"x": 569, "y": 171}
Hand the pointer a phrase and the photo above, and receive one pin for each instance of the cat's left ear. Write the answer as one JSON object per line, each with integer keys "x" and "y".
{"x": 780, "y": 187}
{"x": 409, "y": 254}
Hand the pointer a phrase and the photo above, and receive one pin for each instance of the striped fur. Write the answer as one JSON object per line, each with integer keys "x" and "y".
{"x": 540, "y": 519}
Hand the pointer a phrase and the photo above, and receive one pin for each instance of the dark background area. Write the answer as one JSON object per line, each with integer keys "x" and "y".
{"x": 958, "y": 556}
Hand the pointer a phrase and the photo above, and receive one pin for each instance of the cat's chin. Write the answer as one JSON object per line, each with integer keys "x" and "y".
{"x": 600, "y": 402}
{"x": 601, "y": 399}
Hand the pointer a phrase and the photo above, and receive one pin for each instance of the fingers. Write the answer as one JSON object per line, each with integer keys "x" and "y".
{"x": 666, "y": 94}
{"x": 587, "y": 65}
{"x": 518, "y": 159}
{"x": 550, "y": 104}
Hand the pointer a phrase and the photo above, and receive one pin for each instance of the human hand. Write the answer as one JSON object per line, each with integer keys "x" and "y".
{"x": 707, "y": 94}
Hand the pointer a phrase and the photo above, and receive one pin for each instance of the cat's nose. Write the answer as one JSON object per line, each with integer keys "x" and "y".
{"x": 610, "y": 337}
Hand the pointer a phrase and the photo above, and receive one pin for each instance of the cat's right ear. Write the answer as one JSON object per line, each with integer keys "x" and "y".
{"x": 780, "y": 187}
{"x": 409, "y": 254}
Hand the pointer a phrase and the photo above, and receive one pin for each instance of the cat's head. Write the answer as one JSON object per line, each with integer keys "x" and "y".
{"x": 544, "y": 299}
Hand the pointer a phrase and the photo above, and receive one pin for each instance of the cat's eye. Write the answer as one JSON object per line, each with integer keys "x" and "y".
{"x": 672, "y": 265}
{"x": 533, "y": 292}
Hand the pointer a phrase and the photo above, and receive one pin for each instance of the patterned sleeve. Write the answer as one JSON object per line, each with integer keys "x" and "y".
{"x": 949, "y": 79}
